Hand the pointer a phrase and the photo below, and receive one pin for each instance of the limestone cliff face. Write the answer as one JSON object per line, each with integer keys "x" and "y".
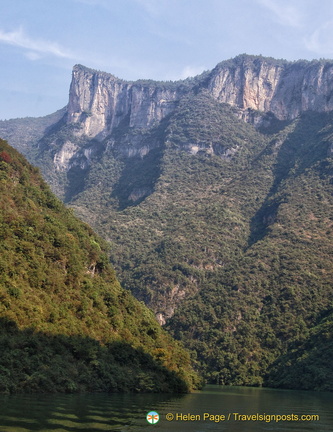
{"x": 100, "y": 102}
{"x": 285, "y": 89}
{"x": 254, "y": 86}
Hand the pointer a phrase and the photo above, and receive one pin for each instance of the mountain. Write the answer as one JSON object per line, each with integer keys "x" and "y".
{"x": 24, "y": 133}
{"x": 100, "y": 102}
{"x": 307, "y": 365}
{"x": 106, "y": 112}
{"x": 66, "y": 324}
{"x": 216, "y": 195}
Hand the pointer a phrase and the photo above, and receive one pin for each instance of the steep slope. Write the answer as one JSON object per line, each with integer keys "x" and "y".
{"x": 24, "y": 133}
{"x": 285, "y": 89}
{"x": 308, "y": 364}
{"x": 102, "y": 108}
{"x": 243, "y": 219}
{"x": 265, "y": 302}
{"x": 99, "y": 102}
{"x": 66, "y": 324}
{"x": 223, "y": 227}
{"x": 147, "y": 207}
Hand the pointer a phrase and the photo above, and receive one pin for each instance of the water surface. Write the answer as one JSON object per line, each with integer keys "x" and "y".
{"x": 213, "y": 409}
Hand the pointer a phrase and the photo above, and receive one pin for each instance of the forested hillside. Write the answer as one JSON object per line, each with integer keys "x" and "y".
{"x": 266, "y": 301}
{"x": 235, "y": 244}
{"x": 216, "y": 197}
{"x": 66, "y": 324}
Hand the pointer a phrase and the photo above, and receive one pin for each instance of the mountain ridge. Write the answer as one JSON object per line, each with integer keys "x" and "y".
{"x": 247, "y": 82}
{"x": 218, "y": 209}
{"x": 261, "y": 91}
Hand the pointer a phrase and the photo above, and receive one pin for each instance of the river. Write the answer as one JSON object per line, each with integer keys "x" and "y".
{"x": 232, "y": 409}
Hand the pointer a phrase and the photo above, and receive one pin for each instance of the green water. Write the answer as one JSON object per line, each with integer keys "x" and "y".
{"x": 104, "y": 412}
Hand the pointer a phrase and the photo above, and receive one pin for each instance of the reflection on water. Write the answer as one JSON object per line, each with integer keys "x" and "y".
{"x": 121, "y": 413}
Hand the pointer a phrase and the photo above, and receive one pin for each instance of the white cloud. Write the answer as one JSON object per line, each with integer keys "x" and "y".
{"x": 31, "y": 55}
{"x": 35, "y": 46}
{"x": 320, "y": 41}
{"x": 285, "y": 13}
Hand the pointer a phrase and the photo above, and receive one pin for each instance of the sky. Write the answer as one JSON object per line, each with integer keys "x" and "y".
{"x": 41, "y": 41}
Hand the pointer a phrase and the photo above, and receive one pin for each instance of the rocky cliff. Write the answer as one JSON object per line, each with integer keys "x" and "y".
{"x": 225, "y": 232}
{"x": 105, "y": 112}
{"x": 99, "y": 102}
{"x": 282, "y": 88}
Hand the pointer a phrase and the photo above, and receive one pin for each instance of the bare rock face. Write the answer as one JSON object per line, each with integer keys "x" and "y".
{"x": 255, "y": 86}
{"x": 248, "y": 84}
{"x": 99, "y": 102}
{"x": 266, "y": 85}
{"x": 62, "y": 158}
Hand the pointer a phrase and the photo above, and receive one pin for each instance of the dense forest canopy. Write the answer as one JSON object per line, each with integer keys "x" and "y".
{"x": 218, "y": 216}
{"x": 66, "y": 323}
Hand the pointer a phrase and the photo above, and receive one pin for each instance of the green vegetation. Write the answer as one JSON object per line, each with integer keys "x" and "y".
{"x": 66, "y": 324}
{"x": 224, "y": 231}
{"x": 152, "y": 250}
{"x": 259, "y": 306}
{"x": 45, "y": 363}
{"x": 308, "y": 365}
{"x": 23, "y": 133}
{"x": 235, "y": 243}
{"x": 246, "y": 59}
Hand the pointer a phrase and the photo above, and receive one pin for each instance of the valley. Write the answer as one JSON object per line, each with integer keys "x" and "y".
{"x": 215, "y": 196}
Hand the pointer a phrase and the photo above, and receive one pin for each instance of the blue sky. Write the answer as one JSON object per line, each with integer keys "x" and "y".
{"x": 41, "y": 40}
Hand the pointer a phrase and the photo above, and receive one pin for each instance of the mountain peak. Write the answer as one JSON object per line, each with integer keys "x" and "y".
{"x": 264, "y": 84}
{"x": 79, "y": 68}
{"x": 99, "y": 101}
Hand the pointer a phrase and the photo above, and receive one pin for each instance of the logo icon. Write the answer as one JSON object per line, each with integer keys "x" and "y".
{"x": 153, "y": 417}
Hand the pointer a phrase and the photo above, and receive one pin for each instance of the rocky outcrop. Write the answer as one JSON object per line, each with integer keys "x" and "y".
{"x": 282, "y": 88}
{"x": 258, "y": 88}
{"x": 99, "y": 102}
{"x": 63, "y": 157}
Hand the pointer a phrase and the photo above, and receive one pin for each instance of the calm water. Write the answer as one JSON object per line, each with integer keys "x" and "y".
{"x": 104, "y": 412}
